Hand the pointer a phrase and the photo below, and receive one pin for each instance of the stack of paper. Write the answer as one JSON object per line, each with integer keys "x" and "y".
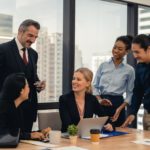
{"x": 38, "y": 143}
{"x": 70, "y": 148}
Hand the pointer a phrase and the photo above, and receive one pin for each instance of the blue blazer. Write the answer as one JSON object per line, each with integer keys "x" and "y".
{"x": 69, "y": 112}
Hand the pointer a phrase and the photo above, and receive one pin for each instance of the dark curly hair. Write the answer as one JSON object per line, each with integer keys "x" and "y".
{"x": 127, "y": 40}
{"x": 12, "y": 86}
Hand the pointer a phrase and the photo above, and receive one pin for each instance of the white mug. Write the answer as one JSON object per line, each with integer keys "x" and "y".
{"x": 54, "y": 136}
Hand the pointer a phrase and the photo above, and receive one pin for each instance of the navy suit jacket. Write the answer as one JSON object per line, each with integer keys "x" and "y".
{"x": 69, "y": 112}
{"x": 11, "y": 62}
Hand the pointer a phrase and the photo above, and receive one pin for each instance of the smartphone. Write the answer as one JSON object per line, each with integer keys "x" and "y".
{"x": 45, "y": 140}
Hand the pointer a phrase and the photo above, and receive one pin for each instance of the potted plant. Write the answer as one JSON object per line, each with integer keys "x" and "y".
{"x": 72, "y": 131}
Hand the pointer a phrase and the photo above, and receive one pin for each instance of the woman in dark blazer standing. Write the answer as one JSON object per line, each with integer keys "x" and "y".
{"x": 79, "y": 103}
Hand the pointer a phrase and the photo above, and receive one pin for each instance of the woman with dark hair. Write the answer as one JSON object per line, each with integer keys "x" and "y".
{"x": 113, "y": 79}
{"x": 15, "y": 91}
{"x": 80, "y": 103}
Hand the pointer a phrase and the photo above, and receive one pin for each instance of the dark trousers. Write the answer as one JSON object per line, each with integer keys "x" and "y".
{"x": 110, "y": 110}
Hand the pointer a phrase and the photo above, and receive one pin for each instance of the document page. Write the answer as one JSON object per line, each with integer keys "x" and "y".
{"x": 39, "y": 143}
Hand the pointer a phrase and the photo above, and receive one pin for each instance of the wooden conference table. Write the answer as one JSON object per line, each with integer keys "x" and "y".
{"x": 122, "y": 142}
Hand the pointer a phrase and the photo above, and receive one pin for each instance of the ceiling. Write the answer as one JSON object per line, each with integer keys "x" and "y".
{"x": 144, "y": 2}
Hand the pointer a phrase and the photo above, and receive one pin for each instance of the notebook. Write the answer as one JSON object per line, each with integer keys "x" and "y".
{"x": 109, "y": 134}
{"x": 113, "y": 133}
{"x": 86, "y": 124}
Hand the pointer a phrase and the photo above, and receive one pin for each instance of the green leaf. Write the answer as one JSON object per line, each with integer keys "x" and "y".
{"x": 72, "y": 129}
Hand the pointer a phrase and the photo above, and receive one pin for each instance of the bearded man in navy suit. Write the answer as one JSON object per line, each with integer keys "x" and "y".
{"x": 18, "y": 56}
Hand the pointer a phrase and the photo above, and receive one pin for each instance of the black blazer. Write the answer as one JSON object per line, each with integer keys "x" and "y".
{"x": 69, "y": 112}
{"x": 11, "y": 119}
{"x": 11, "y": 62}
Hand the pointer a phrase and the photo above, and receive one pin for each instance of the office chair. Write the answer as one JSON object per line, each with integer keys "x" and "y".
{"x": 49, "y": 119}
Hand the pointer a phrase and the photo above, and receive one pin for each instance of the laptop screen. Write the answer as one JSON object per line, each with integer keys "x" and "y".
{"x": 86, "y": 124}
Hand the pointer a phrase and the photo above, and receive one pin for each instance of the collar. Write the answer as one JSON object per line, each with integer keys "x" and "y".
{"x": 19, "y": 45}
{"x": 111, "y": 61}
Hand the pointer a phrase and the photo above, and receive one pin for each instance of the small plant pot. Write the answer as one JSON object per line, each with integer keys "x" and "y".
{"x": 73, "y": 139}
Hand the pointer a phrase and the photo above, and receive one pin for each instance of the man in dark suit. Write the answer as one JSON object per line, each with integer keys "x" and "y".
{"x": 18, "y": 56}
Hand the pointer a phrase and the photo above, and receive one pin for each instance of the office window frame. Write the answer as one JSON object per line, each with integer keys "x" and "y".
{"x": 69, "y": 43}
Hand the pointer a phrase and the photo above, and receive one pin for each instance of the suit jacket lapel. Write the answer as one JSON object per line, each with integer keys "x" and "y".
{"x": 86, "y": 105}
{"x": 146, "y": 75}
{"x": 30, "y": 57}
{"x": 17, "y": 56}
{"x": 73, "y": 106}
{"x": 32, "y": 62}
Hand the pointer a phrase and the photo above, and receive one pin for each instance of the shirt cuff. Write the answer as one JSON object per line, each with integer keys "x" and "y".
{"x": 96, "y": 92}
{"x": 128, "y": 99}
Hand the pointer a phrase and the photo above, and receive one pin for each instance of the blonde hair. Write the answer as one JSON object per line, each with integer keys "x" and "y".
{"x": 88, "y": 75}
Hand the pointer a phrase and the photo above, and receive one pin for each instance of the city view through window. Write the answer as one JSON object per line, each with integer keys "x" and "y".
{"x": 49, "y": 13}
{"x": 97, "y": 27}
{"x": 97, "y": 24}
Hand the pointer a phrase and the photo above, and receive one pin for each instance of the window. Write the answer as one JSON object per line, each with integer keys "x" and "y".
{"x": 98, "y": 24}
{"x": 49, "y": 44}
{"x": 144, "y": 20}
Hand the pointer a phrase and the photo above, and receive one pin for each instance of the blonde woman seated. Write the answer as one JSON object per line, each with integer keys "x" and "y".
{"x": 80, "y": 103}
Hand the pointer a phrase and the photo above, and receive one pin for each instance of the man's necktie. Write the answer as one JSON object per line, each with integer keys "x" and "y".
{"x": 24, "y": 56}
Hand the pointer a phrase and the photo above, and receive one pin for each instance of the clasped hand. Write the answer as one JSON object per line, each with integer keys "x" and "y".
{"x": 41, "y": 135}
{"x": 106, "y": 102}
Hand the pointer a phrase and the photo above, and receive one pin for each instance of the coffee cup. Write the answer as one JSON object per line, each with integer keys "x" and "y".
{"x": 95, "y": 136}
{"x": 54, "y": 136}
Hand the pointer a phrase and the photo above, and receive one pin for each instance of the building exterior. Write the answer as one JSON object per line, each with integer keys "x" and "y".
{"x": 6, "y": 27}
{"x": 144, "y": 20}
{"x": 78, "y": 58}
{"x": 97, "y": 60}
{"x": 49, "y": 48}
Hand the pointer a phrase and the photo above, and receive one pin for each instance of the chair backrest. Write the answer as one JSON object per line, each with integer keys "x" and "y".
{"x": 49, "y": 119}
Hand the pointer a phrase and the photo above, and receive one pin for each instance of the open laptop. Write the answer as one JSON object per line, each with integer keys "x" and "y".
{"x": 86, "y": 124}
